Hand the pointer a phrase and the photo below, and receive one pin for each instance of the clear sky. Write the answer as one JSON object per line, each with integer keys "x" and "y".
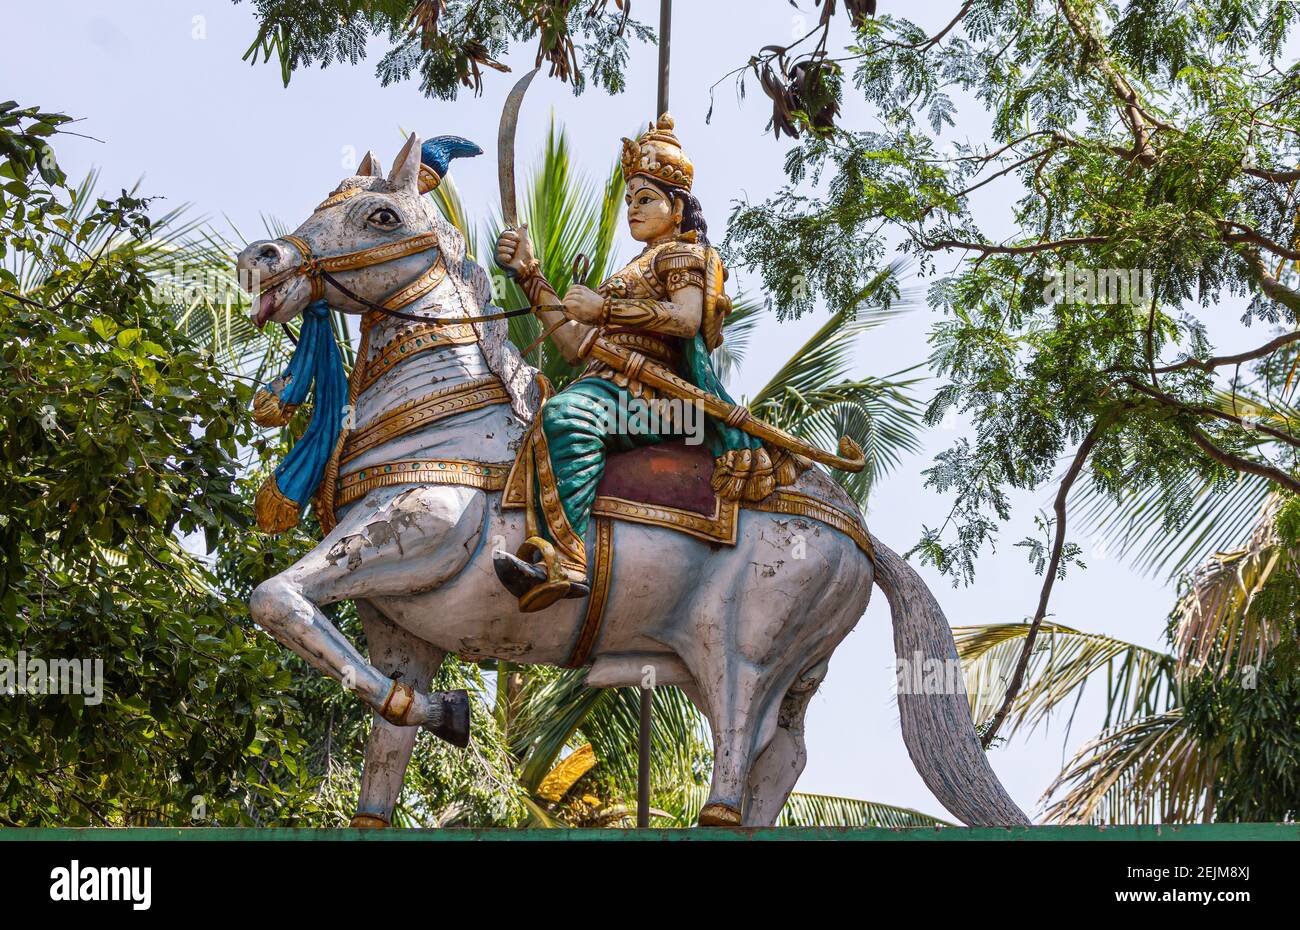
{"x": 162, "y": 89}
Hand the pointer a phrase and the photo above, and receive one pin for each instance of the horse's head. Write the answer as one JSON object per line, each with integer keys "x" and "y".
{"x": 365, "y": 212}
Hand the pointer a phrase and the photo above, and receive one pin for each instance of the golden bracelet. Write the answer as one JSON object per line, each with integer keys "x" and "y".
{"x": 527, "y": 271}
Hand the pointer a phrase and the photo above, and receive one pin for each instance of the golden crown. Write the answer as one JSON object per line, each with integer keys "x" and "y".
{"x": 657, "y": 154}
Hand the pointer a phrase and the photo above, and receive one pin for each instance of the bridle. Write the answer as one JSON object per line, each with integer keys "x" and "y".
{"x": 320, "y": 269}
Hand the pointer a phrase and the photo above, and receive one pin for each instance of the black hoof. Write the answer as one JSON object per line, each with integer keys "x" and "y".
{"x": 518, "y": 576}
{"x": 452, "y": 724}
{"x": 578, "y": 589}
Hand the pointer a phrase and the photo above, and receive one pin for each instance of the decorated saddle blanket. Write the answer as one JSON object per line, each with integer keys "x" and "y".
{"x": 670, "y": 485}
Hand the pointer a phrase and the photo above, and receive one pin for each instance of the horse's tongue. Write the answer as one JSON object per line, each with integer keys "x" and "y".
{"x": 265, "y": 307}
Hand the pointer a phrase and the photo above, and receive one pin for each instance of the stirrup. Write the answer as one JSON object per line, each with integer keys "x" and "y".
{"x": 557, "y": 585}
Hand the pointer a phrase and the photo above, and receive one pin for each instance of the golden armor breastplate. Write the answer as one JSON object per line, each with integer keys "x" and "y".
{"x": 638, "y": 280}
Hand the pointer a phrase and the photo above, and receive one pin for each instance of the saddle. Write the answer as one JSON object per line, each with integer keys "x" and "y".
{"x": 667, "y": 485}
{"x": 670, "y": 485}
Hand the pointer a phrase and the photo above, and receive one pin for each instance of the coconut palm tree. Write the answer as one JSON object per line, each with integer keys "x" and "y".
{"x": 1167, "y": 751}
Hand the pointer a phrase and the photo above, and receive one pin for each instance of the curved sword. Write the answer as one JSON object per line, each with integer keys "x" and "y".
{"x": 506, "y": 149}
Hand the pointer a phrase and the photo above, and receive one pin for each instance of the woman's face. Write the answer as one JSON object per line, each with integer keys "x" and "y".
{"x": 651, "y": 214}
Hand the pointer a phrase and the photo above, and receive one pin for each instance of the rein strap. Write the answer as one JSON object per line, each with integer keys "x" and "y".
{"x": 318, "y": 270}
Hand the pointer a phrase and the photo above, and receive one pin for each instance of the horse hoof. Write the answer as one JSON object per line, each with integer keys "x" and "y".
{"x": 518, "y": 576}
{"x": 368, "y": 822}
{"x": 718, "y": 814}
{"x": 453, "y": 722}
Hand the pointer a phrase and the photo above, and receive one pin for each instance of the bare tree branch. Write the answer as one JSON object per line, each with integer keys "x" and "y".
{"x": 1220, "y": 361}
{"x": 1280, "y": 177}
{"x": 1049, "y": 579}
{"x": 1270, "y": 285}
{"x": 1202, "y": 410}
{"x": 989, "y": 248}
{"x": 1237, "y": 463}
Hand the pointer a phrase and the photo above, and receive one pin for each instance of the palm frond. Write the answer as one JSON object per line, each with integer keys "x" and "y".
{"x": 1215, "y": 625}
{"x": 819, "y": 810}
{"x": 567, "y": 215}
{"x": 1149, "y": 770}
{"x": 828, "y": 354}
{"x": 553, "y": 708}
{"x": 1138, "y": 681}
{"x": 191, "y": 268}
{"x": 738, "y": 326}
{"x": 880, "y": 414}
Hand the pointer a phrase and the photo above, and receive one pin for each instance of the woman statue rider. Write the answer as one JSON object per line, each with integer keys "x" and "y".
{"x": 668, "y": 305}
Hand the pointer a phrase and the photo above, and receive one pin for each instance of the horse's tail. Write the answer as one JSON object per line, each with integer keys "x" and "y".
{"x": 937, "y": 728}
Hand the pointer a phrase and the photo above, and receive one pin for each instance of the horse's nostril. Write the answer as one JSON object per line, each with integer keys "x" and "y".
{"x": 269, "y": 252}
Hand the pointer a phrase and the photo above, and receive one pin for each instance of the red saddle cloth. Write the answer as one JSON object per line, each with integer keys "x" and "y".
{"x": 670, "y": 474}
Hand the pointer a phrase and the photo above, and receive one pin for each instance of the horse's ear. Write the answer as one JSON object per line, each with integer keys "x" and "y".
{"x": 370, "y": 167}
{"x": 406, "y": 170}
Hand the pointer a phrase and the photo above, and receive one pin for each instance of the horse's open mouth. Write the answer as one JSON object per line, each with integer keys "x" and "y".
{"x": 269, "y": 301}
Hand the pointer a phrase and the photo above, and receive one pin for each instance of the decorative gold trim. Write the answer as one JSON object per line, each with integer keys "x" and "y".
{"x": 680, "y": 279}
{"x": 430, "y": 278}
{"x": 515, "y": 494}
{"x": 720, "y": 527}
{"x": 428, "y": 179}
{"x": 718, "y": 814}
{"x": 275, "y": 513}
{"x": 657, "y": 153}
{"x": 424, "y": 411}
{"x": 656, "y": 347}
{"x": 794, "y": 504}
{"x": 310, "y": 267}
{"x": 338, "y": 198}
{"x": 573, "y": 552}
{"x": 378, "y": 254}
{"x": 398, "y": 703}
{"x": 487, "y": 477}
{"x": 594, "y": 617}
{"x": 411, "y": 342}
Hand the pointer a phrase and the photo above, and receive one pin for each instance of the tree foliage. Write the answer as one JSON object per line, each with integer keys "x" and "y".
{"x": 448, "y": 43}
{"x": 1148, "y": 152}
{"x": 118, "y": 435}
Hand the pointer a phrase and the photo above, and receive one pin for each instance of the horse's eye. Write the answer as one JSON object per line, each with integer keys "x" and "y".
{"x": 385, "y": 218}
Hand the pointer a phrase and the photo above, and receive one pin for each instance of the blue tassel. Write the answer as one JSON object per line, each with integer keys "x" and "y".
{"x": 316, "y": 363}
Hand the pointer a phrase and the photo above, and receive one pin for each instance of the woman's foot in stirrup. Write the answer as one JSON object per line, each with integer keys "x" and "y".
{"x": 518, "y": 576}
{"x": 538, "y": 585}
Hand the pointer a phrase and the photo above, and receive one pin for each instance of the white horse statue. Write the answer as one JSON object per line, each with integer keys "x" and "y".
{"x": 745, "y": 630}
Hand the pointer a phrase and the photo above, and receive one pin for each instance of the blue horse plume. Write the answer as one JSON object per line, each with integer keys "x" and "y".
{"x": 436, "y": 155}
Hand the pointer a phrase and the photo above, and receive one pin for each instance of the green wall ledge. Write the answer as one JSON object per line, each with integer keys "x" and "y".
{"x": 1251, "y": 832}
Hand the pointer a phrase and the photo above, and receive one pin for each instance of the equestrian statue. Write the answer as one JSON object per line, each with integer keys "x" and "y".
{"x": 638, "y": 517}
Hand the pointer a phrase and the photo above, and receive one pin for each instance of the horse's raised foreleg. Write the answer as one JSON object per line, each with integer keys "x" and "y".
{"x": 398, "y": 541}
{"x": 400, "y": 655}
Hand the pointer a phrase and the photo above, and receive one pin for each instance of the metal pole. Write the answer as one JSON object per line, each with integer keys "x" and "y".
{"x": 643, "y": 762}
{"x": 665, "y": 35}
{"x": 643, "y": 747}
